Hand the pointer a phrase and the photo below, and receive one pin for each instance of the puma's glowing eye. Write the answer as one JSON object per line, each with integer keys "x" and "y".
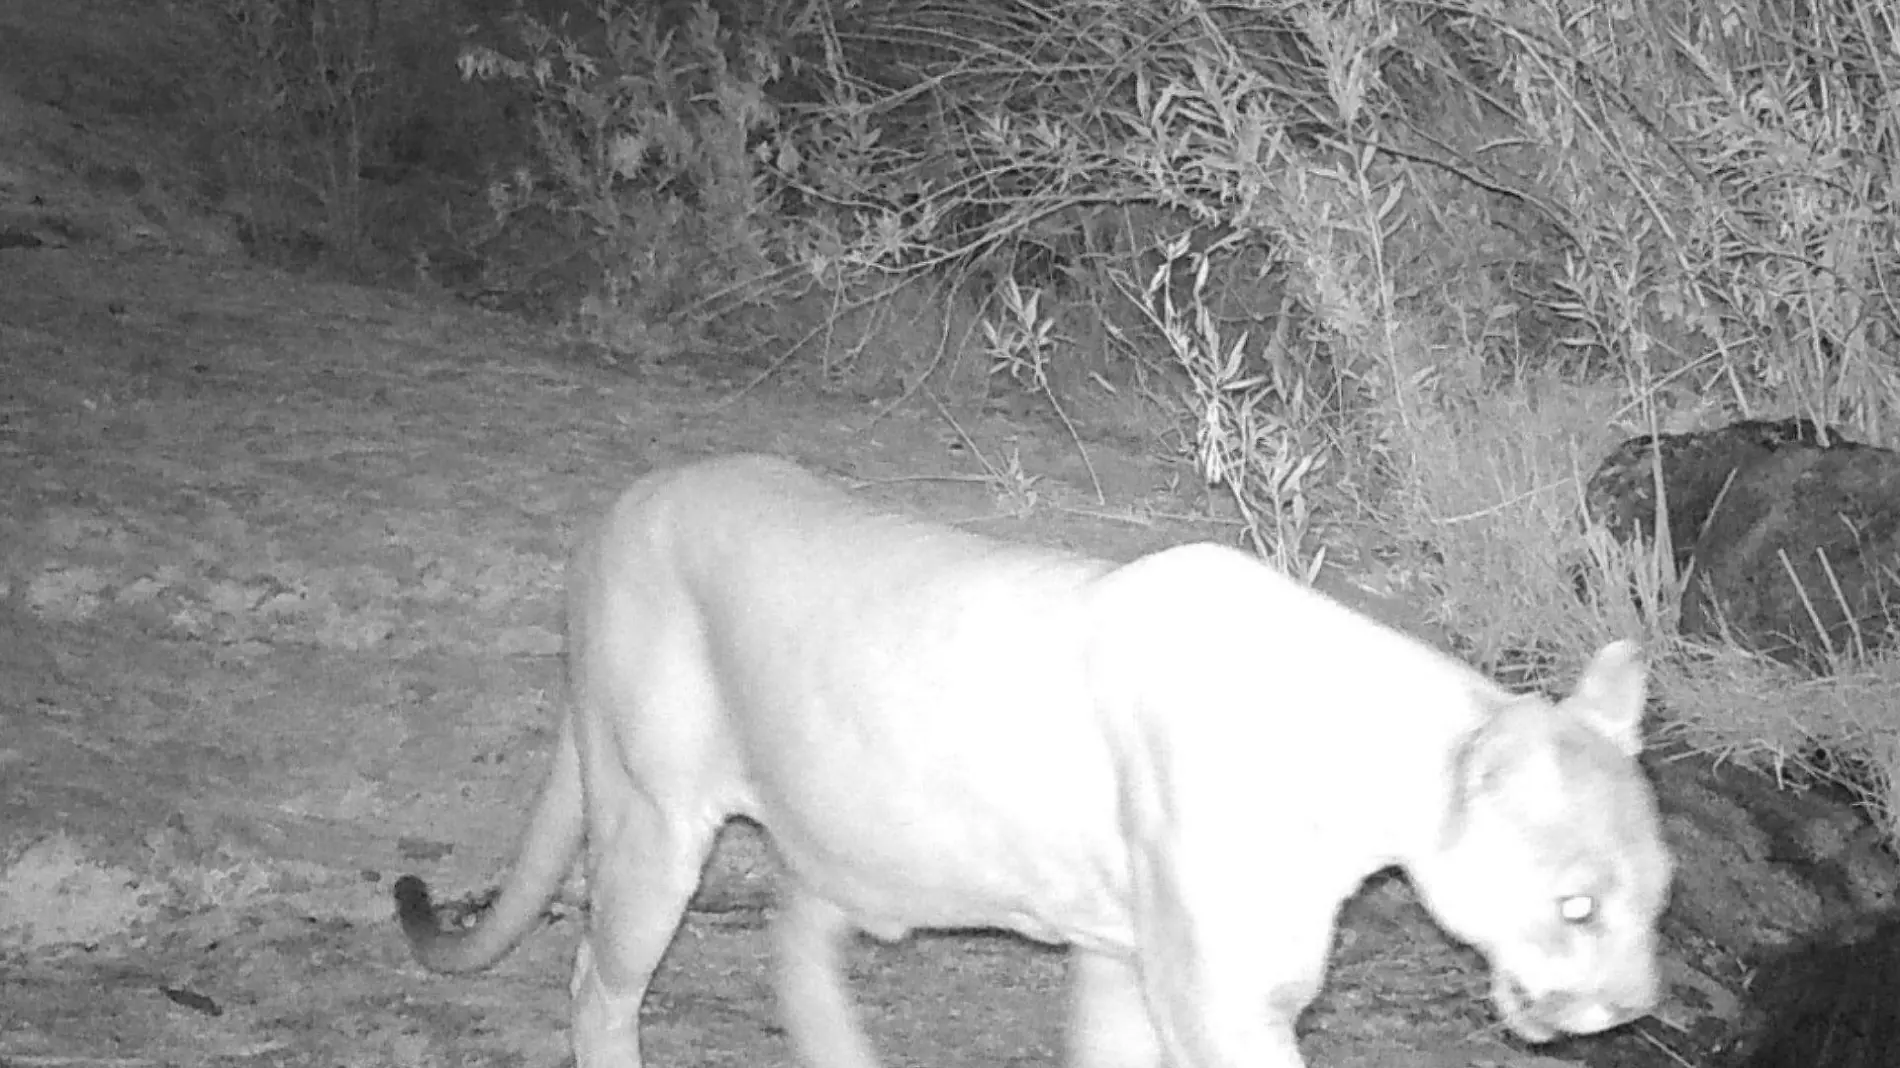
{"x": 1577, "y": 908}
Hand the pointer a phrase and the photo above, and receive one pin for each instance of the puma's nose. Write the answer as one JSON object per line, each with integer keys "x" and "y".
{"x": 1604, "y": 1016}
{"x": 1615, "y": 1008}
{"x": 1581, "y": 1013}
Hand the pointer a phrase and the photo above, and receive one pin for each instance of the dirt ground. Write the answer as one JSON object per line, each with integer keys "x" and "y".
{"x": 279, "y": 564}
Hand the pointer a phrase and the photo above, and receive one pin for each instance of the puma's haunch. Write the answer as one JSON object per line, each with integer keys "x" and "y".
{"x": 1180, "y": 767}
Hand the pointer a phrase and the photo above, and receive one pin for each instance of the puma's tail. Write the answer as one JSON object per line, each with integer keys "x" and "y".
{"x": 547, "y": 851}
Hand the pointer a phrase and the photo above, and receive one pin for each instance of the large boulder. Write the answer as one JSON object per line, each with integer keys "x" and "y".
{"x": 1790, "y": 534}
{"x": 1800, "y": 557}
{"x": 1621, "y": 495}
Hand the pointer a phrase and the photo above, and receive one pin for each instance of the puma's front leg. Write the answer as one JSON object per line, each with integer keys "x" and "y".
{"x": 1108, "y": 1018}
{"x": 1211, "y": 1015}
{"x": 1228, "y": 965}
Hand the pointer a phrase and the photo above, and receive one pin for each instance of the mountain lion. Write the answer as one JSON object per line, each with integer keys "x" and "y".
{"x": 1180, "y": 767}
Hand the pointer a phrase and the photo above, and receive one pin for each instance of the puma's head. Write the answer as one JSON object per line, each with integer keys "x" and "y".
{"x": 1553, "y": 863}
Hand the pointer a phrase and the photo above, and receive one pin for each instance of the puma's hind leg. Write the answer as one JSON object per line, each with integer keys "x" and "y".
{"x": 641, "y": 876}
{"x": 813, "y": 998}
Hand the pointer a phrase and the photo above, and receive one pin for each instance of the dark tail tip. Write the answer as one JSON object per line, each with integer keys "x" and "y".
{"x": 415, "y": 911}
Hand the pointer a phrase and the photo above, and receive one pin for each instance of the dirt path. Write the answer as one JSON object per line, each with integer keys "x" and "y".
{"x": 279, "y": 622}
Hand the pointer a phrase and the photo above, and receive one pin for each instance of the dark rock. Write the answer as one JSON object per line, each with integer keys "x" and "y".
{"x": 1762, "y": 863}
{"x": 1834, "y": 1003}
{"x": 1621, "y": 495}
{"x": 1791, "y": 528}
{"x": 1798, "y": 556}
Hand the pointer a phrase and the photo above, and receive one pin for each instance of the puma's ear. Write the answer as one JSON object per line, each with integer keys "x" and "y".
{"x": 1610, "y": 695}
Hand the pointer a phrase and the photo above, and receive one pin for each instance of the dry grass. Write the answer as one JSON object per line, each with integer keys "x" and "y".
{"x": 1842, "y": 729}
